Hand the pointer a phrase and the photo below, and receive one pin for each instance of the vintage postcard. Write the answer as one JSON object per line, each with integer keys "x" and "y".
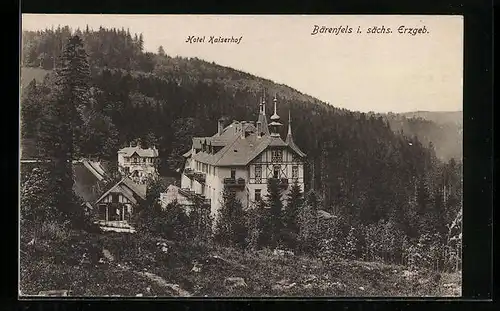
{"x": 241, "y": 156}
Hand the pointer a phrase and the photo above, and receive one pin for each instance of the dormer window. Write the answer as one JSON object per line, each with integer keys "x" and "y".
{"x": 277, "y": 156}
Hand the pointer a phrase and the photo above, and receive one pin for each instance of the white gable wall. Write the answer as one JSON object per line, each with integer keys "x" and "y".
{"x": 213, "y": 187}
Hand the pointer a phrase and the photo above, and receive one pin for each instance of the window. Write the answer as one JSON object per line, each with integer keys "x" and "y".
{"x": 114, "y": 197}
{"x": 277, "y": 156}
{"x": 233, "y": 173}
{"x": 276, "y": 171}
{"x": 258, "y": 196}
{"x": 258, "y": 174}
{"x": 295, "y": 172}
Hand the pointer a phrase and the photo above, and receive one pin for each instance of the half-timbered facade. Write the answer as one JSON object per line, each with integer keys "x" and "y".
{"x": 243, "y": 156}
{"x": 116, "y": 206}
{"x": 138, "y": 163}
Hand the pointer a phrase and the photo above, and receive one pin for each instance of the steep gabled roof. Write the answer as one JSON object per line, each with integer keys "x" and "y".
{"x": 139, "y": 189}
{"x": 95, "y": 168}
{"x": 295, "y": 148}
{"x": 289, "y": 138}
{"x": 128, "y": 188}
{"x": 145, "y": 153}
{"x": 240, "y": 151}
{"x": 86, "y": 183}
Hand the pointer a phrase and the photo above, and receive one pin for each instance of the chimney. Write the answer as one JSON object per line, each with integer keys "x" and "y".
{"x": 243, "y": 129}
{"x": 220, "y": 126}
{"x": 237, "y": 126}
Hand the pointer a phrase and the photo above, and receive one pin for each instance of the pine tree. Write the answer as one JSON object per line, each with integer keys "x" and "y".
{"x": 153, "y": 189}
{"x": 275, "y": 205}
{"x": 230, "y": 225}
{"x": 351, "y": 245}
{"x": 161, "y": 51}
{"x": 60, "y": 128}
{"x": 294, "y": 202}
{"x": 200, "y": 223}
{"x": 264, "y": 228}
{"x": 141, "y": 42}
{"x": 309, "y": 224}
{"x": 30, "y": 110}
{"x": 62, "y": 131}
{"x": 36, "y": 207}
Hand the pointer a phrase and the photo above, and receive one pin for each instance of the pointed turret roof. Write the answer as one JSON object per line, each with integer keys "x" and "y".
{"x": 262, "y": 117}
{"x": 275, "y": 121}
{"x": 289, "y": 138}
{"x": 289, "y": 134}
{"x": 275, "y": 116}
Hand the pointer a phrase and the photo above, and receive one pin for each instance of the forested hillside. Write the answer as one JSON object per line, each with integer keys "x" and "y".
{"x": 444, "y": 130}
{"x": 380, "y": 183}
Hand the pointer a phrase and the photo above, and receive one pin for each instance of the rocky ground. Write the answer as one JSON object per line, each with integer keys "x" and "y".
{"x": 130, "y": 265}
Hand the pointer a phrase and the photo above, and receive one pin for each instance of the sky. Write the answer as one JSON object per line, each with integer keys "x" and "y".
{"x": 378, "y": 72}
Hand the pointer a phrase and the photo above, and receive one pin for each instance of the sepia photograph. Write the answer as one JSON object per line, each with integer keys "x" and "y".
{"x": 240, "y": 155}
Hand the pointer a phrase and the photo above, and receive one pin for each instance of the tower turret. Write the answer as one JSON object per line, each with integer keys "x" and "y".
{"x": 262, "y": 129}
{"x": 289, "y": 137}
{"x": 275, "y": 124}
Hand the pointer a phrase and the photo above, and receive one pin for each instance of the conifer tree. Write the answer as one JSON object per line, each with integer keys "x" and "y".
{"x": 264, "y": 227}
{"x": 36, "y": 207}
{"x": 200, "y": 223}
{"x": 294, "y": 202}
{"x": 230, "y": 226}
{"x": 161, "y": 51}
{"x": 309, "y": 224}
{"x": 275, "y": 205}
{"x": 60, "y": 128}
{"x": 351, "y": 245}
{"x": 291, "y": 214}
{"x": 153, "y": 189}
{"x": 30, "y": 109}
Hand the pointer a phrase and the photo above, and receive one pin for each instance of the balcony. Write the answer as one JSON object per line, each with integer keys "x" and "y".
{"x": 189, "y": 172}
{"x": 201, "y": 198}
{"x": 200, "y": 177}
{"x": 234, "y": 183}
{"x": 194, "y": 197}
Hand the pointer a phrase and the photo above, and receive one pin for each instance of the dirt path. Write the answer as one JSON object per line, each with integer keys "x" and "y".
{"x": 176, "y": 289}
{"x": 161, "y": 282}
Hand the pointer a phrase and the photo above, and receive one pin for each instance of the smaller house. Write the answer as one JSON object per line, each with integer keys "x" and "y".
{"x": 112, "y": 205}
{"x": 115, "y": 207}
{"x": 186, "y": 198}
{"x": 175, "y": 194}
{"x": 138, "y": 163}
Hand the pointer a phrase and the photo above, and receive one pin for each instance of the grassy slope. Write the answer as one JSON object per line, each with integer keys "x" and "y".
{"x": 261, "y": 270}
